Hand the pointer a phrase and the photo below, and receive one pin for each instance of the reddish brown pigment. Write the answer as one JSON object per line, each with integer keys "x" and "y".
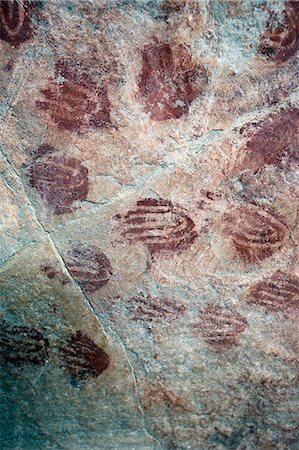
{"x": 158, "y": 394}
{"x": 21, "y": 344}
{"x": 49, "y": 271}
{"x": 279, "y": 293}
{"x": 281, "y": 38}
{"x": 150, "y": 308}
{"x": 43, "y": 150}
{"x": 76, "y": 105}
{"x": 220, "y": 327}
{"x": 15, "y": 21}
{"x": 169, "y": 81}
{"x": 256, "y": 231}
{"x": 89, "y": 266}
{"x": 83, "y": 358}
{"x": 160, "y": 225}
{"x": 60, "y": 181}
{"x": 273, "y": 141}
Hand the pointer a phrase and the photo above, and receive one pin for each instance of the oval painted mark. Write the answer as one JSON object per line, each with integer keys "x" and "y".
{"x": 60, "y": 181}
{"x": 21, "y": 344}
{"x": 169, "y": 81}
{"x": 150, "y": 308}
{"x": 15, "y": 21}
{"x": 256, "y": 231}
{"x": 278, "y": 294}
{"x": 83, "y": 358}
{"x": 280, "y": 40}
{"x": 159, "y": 225}
{"x": 273, "y": 140}
{"x": 221, "y": 328}
{"x": 76, "y": 105}
{"x": 89, "y": 266}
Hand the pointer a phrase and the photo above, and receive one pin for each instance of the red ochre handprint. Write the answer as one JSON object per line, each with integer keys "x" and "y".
{"x": 169, "y": 81}
{"x": 81, "y": 357}
{"x": 22, "y": 345}
{"x": 256, "y": 231}
{"x": 89, "y": 266}
{"x": 278, "y": 293}
{"x": 150, "y": 308}
{"x": 220, "y": 327}
{"x": 273, "y": 141}
{"x": 76, "y": 105}
{"x": 60, "y": 181}
{"x": 158, "y": 224}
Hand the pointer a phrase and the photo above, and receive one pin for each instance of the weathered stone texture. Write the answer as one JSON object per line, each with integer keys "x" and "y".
{"x": 149, "y": 275}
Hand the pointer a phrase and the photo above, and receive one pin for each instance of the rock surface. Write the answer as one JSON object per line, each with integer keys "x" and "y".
{"x": 149, "y": 274}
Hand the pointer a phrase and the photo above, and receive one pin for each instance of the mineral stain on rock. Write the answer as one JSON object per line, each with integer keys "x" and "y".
{"x": 15, "y": 21}
{"x": 159, "y": 224}
{"x": 60, "y": 181}
{"x": 82, "y": 358}
{"x": 279, "y": 293}
{"x": 21, "y": 344}
{"x": 76, "y": 105}
{"x": 89, "y": 266}
{"x": 221, "y": 328}
{"x": 169, "y": 81}
{"x": 49, "y": 271}
{"x": 256, "y": 231}
{"x": 158, "y": 394}
{"x": 280, "y": 40}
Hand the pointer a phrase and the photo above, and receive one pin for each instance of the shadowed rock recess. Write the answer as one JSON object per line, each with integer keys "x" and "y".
{"x": 149, "y": 279}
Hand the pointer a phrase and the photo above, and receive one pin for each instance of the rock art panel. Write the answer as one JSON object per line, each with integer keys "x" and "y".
{"x": 149, "y": 224}
{"x": 58, "y": 367}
